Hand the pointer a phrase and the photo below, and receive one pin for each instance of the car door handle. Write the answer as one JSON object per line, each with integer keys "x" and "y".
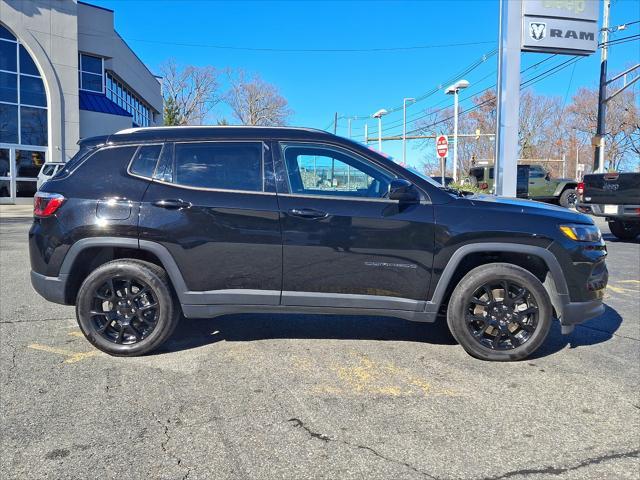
{"x": 172, "y": 204}
{"x": 308, "y": 213}
{"x": 532, "y": 183}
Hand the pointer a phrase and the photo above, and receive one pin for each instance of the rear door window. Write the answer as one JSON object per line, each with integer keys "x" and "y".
{"x": 145, "y": 160}
{"x": 219, "y": 165}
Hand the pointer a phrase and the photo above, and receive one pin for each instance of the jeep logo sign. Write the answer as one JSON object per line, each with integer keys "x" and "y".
{"x": 565, "y": 27}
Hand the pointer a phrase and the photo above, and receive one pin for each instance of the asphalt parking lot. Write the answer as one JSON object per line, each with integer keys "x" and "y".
{"x": 265, "y": 396}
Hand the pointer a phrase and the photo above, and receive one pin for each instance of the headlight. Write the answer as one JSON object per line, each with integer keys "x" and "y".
{"x": 581, "y": 233}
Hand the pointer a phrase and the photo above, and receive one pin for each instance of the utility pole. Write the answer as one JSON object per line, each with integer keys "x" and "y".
{"x": 335, "y": 123}
{"x": 349, "y": 123}
{"x": 598, "y": 161}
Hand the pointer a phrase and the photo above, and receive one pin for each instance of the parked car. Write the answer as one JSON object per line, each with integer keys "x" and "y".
{"x": 212, "y": 221}
{"x": 48, "y": 170}
{"x": 438, "y": 179}
{"x": 615, "y": 196}
{"x": 534, "y": 182}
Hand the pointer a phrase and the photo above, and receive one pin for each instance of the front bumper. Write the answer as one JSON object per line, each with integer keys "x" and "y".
{"x": 51, "y": 288}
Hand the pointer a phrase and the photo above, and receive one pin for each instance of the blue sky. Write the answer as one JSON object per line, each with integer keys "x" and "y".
{"x": 357, "y": 83}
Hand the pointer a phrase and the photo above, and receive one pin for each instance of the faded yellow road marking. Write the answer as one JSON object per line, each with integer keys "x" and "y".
{"x": 72, "y": 357}
{"x": 370, "y": 377}
{"x": 620, "y": 289}
{"x": 77, "y": 333}
{"x": 628, "y": 281}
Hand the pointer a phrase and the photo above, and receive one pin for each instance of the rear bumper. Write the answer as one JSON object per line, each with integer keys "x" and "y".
{"x": 51, "y": 288}
{"x": 630, "y": 212}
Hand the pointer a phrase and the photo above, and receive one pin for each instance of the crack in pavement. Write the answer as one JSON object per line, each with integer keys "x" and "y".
{"x": 550, "y": 470}
{"x": 163, "y": 444}
{"x": 10, "y": 322}
{"x": 300, "y": 424}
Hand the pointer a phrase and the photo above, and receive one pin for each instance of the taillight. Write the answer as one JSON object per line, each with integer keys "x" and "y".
{"x": 580, "y": 190}
{"x": 46, "y": 204}
{"x": 483, "y": 186}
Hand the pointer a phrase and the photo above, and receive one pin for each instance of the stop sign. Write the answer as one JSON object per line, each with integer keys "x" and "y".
{"x": 442, "y": 146}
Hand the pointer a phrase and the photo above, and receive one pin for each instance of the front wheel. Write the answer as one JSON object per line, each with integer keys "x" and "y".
{"x": 568, "y": 198}
{"x": 500, "y": 312}
{"x": 127, "y": 308}
{"x": 624, "y": 230}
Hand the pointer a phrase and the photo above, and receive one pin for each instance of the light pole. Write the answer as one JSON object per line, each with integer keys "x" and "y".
{"x": 404, "y": 128}
{"x": 453, "y": 90}
{"x": 379, "y": 114}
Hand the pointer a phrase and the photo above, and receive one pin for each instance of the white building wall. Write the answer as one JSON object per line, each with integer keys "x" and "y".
{"x": 96, "y": 35}
{"x": 48, "y": 30}
{"x": 96, "y": 123}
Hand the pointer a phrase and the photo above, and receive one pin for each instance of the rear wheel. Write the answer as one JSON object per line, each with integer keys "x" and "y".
{"x": 127, "y": 308}
{"x": 568, "y": 198}
{"x": 624, "y": 230}
{"x": 500, "y": 312}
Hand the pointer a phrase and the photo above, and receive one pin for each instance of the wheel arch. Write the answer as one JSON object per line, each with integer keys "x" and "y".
{"x": 530, "y": 257}
{"x": 564, "y": 186}
{"x": 89, "y": 253}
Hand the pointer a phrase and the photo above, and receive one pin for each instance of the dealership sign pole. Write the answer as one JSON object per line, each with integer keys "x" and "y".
{"x": 560, "y": 27}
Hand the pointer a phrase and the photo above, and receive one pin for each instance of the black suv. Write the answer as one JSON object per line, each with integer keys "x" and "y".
{"x": 145, "y": 224}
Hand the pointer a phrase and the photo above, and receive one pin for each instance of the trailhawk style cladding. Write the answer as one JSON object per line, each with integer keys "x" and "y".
{"x": 215, "y": 220}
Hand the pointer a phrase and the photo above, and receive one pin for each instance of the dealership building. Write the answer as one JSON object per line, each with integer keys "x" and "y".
{"x": 65, "y": 74}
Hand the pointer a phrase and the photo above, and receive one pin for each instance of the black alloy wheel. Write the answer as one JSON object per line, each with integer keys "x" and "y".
{"x": 501, "y": 315}
{"x": 125, "y": 310}
{"x": 127, "y": 307}
{"x": 500, "y": 312}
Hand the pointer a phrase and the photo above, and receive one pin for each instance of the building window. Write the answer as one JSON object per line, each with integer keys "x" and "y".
{"x": 91, "y": 73}
{"x": 125, "y": 98}
{"x": 23, "y": 100}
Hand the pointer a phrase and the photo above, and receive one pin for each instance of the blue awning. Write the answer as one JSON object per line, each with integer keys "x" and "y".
{"x": 97, "y": 102}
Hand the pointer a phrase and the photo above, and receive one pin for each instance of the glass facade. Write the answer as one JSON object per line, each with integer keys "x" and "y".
{"x": 120, "y": 94}
{"x": 23, "y": 100}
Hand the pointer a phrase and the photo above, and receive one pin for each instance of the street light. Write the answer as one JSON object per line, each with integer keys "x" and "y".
{"x": 379, "y": 114}
{"x": 453, "y": 90}
{"x": 404, "y": 128}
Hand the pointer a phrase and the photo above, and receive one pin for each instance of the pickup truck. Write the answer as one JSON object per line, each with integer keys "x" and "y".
{"x": 615, "y": 196}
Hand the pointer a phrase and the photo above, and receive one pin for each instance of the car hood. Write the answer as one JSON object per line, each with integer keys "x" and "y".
{"x": 518, "y": 205}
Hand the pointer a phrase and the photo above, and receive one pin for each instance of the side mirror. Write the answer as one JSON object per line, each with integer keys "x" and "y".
{"x": 403, "y": 191}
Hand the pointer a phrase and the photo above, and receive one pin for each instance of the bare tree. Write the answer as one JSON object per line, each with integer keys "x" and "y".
{"x": 622, "y": 138}
{"x": 255, "y": 102}
{"x": 189, "y": 93}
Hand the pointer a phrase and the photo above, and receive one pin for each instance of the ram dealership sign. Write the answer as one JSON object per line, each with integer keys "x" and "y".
{"x": 560, "y": 26}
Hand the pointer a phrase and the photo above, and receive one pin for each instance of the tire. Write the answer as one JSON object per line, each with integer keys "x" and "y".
{"x": 127, "y": 307}
{"x": 568, "y": 198}
{"x": 500, "y": 331}
{"x": 624, "y": 230}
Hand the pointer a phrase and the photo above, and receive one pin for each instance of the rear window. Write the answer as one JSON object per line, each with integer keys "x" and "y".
{"x": 478, "y": 173}
{"x": 145, "y": 159}
{"x": 224, "y": 165}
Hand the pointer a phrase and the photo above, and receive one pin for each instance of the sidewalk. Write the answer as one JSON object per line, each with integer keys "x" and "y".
{"x": 16, "y": 211}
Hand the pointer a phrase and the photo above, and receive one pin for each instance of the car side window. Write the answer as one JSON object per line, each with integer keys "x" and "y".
{"x": 536, "y": 172}
{"x": 323, "y": 170}
{"x": 145, "y": 160}
{"x": 219, "y": 165}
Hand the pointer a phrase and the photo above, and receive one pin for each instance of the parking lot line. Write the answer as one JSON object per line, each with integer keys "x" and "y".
{"x": 71, "y": 357}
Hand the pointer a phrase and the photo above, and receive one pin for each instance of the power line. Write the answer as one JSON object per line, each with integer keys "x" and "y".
{"x": 432, "y": 112}
{"x": 523, "y": 85}
{"x": 296, "y": 50}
